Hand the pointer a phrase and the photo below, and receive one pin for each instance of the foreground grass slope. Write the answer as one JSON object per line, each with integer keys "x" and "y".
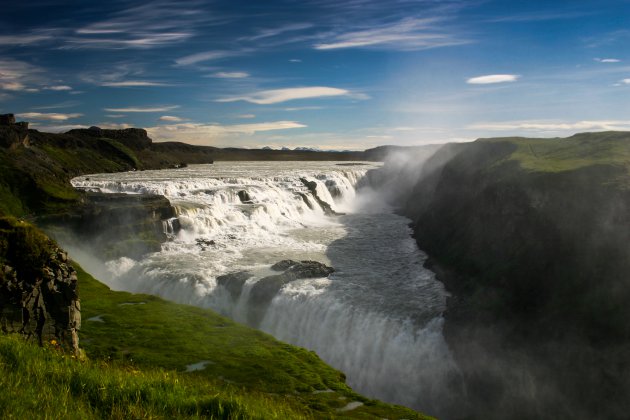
{"x": 44, "y": 383}
{"x": 146, "y": 331}
{"x": 140, "y": 350}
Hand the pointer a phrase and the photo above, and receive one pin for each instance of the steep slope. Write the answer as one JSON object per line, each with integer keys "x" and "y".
{"x": 531, "y": 237}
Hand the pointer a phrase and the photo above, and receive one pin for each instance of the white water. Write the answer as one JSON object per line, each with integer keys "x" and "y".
{"x": 377, "y": 318}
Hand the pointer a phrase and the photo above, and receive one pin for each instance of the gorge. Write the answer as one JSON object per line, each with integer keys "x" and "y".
{"x": 530, "y": 322}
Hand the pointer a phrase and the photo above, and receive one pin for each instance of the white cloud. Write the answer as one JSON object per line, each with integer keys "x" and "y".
{"x": 47, "y": 116}
{"x": 246, "y": 116}
{"x": 23, "y": 39}
{"x": 607, "y": 60}
{"x": 230, "y": 75}
{"x": 275, "y": 96}
{"x": 143, "y": 109}
{"x": 18, "y": 75}
{"x": 407, "y": 34}
{"x": 303, "y": 108}
{"x": 58, "y": 87}
{"x": 267, "y": 33}
{"x": 142, "y": 26}
{"x": 553, "y": 126}
{"x": 13, "y": 86}
{"x": 170, "y": 118}
{"x": 196, "y": 133}
{"x": 204, "y": 56}
{"x": 493, "y": 78}
{"x": 295, "y": 60}
{"x": 626, "y": 81}
{"x": 132, "y": 83}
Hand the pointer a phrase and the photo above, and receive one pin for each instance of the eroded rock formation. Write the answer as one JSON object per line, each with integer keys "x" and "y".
{"x": 38, "y": 288}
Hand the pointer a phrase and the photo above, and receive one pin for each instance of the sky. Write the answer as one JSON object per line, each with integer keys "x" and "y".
{"x": 330, "y": 74}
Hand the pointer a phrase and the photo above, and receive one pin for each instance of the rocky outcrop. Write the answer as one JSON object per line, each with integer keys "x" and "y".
{"x": 38, "y": 288}
{"x": 12, "y": 133}
{"x": 117, "y": 225}
{"x": 133, "y": 138}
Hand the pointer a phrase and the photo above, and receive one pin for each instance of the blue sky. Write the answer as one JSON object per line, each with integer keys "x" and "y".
{"x": 320, "y": 73}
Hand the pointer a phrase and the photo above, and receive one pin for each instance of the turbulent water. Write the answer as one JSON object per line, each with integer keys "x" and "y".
{"x": 377, "y": 317}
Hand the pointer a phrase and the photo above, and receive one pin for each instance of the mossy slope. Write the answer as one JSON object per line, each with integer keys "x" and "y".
{"x": 148, "y": 331}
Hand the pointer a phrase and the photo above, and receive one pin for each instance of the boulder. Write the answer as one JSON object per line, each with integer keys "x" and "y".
{"x": 265, "y": 289}
{"x": 234, "y": 282}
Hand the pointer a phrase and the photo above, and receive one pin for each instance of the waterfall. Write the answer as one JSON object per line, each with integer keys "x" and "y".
{"x": 377, "y": 318}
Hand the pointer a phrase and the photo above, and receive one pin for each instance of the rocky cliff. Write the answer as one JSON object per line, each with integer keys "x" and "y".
{"x": 531, "y": 238}
{"x": 38, "y": 288}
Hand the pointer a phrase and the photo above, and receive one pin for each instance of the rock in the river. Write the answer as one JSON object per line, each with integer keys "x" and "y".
{"x": 244, "y": 197}
{"x": 266, "y": 288}
{"x": 234, "y": 282}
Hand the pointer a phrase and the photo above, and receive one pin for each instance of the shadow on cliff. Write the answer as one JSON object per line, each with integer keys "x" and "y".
{"x": 538, "y": 266}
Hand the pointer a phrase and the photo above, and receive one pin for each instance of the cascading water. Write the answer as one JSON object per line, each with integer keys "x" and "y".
{"x": 377, "y": 317}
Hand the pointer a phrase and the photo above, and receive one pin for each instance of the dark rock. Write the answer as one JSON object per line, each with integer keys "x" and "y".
{"x": 244, "y": 197}
{"x": 283, "y": 265}
{"x": 333, "y": 188}
{"x": 234, "y": 282}
{"x": 312, "y": 187}
{"x": 264, "y": 290}
{"x": 205, "y": 243}
{"x": 7, "y": 119}
{"x": 38, "y": 288}
{"x": 117, "y": 225}
{"x": 134, "y": 138}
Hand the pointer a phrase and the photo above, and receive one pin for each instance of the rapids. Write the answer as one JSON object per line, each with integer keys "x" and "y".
{"x": 378, "y": 317}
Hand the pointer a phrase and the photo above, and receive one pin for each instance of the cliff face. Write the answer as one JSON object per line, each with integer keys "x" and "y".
{"x": 530, "y": 237}
{"x": 38, "y": 288}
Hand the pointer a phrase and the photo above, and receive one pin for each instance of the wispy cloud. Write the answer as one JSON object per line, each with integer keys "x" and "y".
{"x": 16, "y": 76}
{"x": 26, "y": 39}
{"x": 625, "y": 81}
{"x": 493, "y": 78}
{"x": 271, "y": 32}
{"x": 230, "y": 75}
{"x": 58, "y": 87}
{"x": 143, "y": 109}
{"x": 60, "y": 105}
{"x": 171, "y": 118}
{"x": 607, "y": 60}
{"x": 246, "y": 116}
{"x": 205, "y": 56}
{"x": 407, "y": 34}
{"x": 275, "y": 96}
{"x": 144, "y": 26}
{"x": 133, "y": 83}
{"x": 553, "y": 126}
{"x": 47, "y": 116}
{"x": 303, "y": 108}
{"x": 196, "y": 133}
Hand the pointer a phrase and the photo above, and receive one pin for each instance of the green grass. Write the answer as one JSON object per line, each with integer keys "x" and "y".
{"x": 44, "y": 383}
{"x": 567, "y": 154}
{"x": 147, "y": 332}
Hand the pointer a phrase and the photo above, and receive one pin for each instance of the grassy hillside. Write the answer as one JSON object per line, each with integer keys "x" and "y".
{"x": 141, "y": 350}
{"x": 44, "y": 383}
{"x": 531, "y": 236}
{"x": 146, "y": 331}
